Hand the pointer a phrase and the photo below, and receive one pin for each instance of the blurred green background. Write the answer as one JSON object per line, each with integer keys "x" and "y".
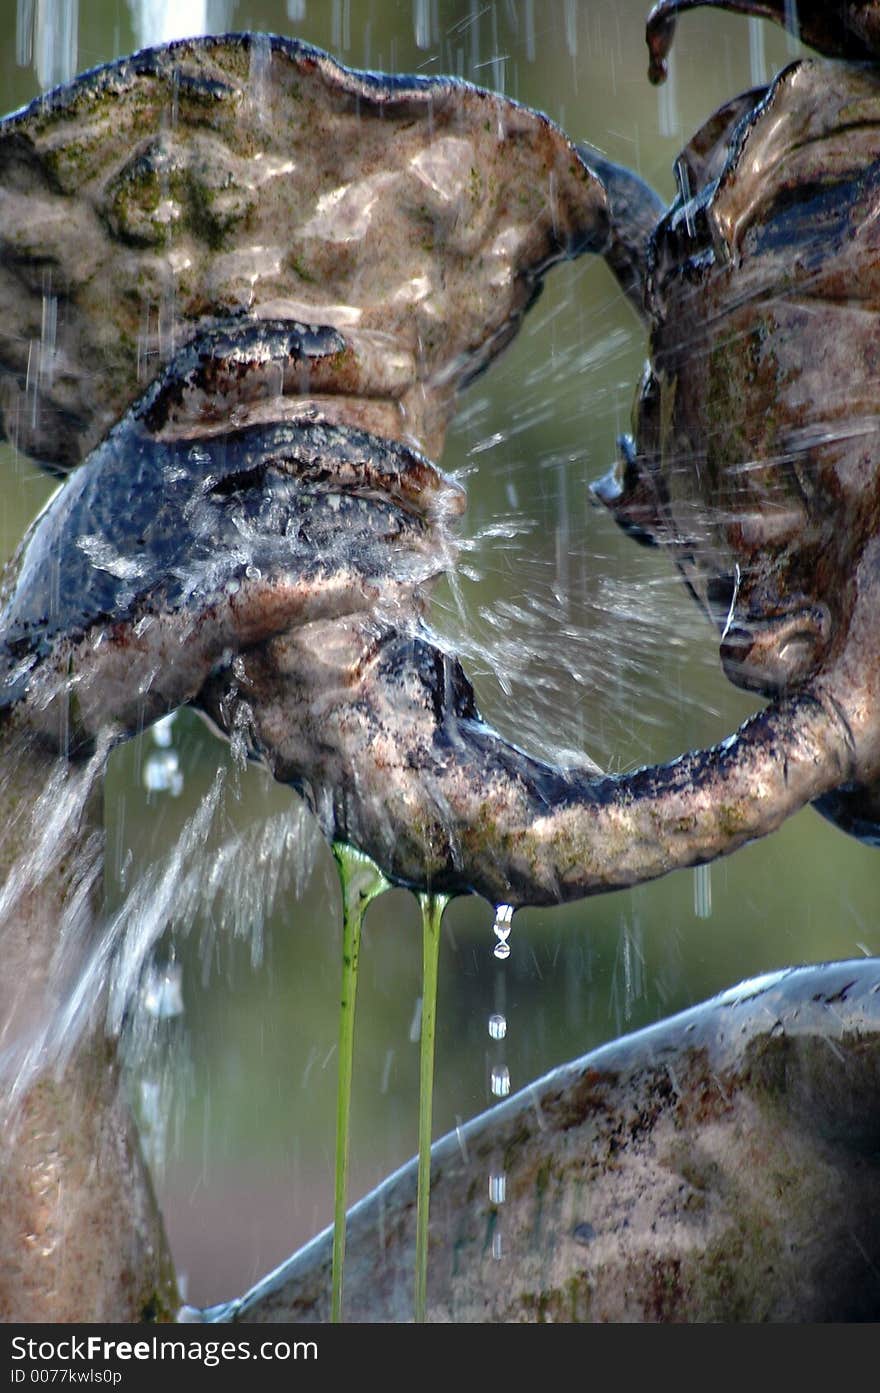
{"x": 575, "y": 638}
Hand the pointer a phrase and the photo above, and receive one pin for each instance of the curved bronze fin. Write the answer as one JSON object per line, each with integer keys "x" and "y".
{"x": 835, "y": 28}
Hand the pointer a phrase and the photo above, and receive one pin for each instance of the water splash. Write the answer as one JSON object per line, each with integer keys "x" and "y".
{"x": 234, "y": 895}
{"x": 361, "y": 881}
{"x": 59, "y": 846}
{"x": 157, "y": 1060}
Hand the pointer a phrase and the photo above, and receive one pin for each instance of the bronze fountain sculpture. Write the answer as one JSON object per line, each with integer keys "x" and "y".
{"x": 252, "y": 528}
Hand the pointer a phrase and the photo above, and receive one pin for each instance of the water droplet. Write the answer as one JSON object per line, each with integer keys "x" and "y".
{"x": 669, "y": 119}
{"x": 500, "y": 1081}
{"x": 415, "y": 1025}
{"x": 501, "y": 929}
{"x": 253, "y": 573}
{"x": 161, "y": 731}
{"x": 497, "y": 1026}
{"x": 422, "y": 23}
{"x": 162, "y": 773}
{"x": 163, "y": 991}
{"x": 497, "y": 1251}
{"x": 703, "y": 891}
{"x": 497, "y": 1189}
{"x": 386, "y": 1071}
{"x": 757, "y": 54}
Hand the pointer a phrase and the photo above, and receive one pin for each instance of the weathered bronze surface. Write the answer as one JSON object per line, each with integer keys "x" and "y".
{"x": 750, "y": 460}
{"x": 256, "y": 342}
{"x": 719, "y": 1166}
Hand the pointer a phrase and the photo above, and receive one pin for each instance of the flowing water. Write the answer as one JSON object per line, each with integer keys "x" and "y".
{"x": 222, "y": 942}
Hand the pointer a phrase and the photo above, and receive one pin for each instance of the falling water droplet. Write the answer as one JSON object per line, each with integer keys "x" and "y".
{"x": 757, "y": 54}
{"x": 162, "y": 732}
{"x": 162, "y": 773}
{"x": 422, "y": 23}
{"x": 501, "y": 929}
{"x": 497, "y": 1251}
{"x": 260, "y": 76}
{"x": 571, "y": 36}
{"x": 163, "y": 991}
{"x": 497, "y": 1188}
{"x": 792, "y": 27}
{"x": 668, "y": 118}
{"x": 703, "y": 891}
{"x": 415, "y": 1025}
{"x": 48, "y": 332}
{"x": 497, "y": 1026}
{"x": 54, "y": 26}
{"x": 530, "y": 30}
{"x": 500, "y": 1081}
